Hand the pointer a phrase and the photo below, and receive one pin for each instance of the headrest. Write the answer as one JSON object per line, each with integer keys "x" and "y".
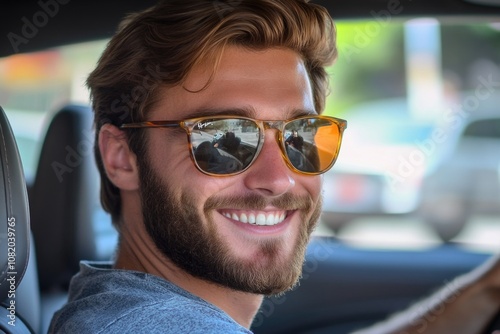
{"x": 14, "y": 213}
{"x": 64, "y": 197}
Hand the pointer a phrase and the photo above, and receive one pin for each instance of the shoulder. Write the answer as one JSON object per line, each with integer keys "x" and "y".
{"x": 179, "y": 317}
{"x": 103, "y": 300}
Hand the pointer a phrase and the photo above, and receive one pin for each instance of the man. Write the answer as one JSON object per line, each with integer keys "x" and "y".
{"x": 199, "y": 247}
{"x": 295, "y": 140}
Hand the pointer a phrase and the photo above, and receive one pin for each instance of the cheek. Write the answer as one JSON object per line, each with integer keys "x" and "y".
{"x": 169, "y": 155}
{"x": 312, "y": 184}
{"x": 176, "y": 169}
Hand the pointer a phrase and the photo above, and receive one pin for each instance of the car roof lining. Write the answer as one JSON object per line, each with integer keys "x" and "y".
{"x": 75, "y": 21}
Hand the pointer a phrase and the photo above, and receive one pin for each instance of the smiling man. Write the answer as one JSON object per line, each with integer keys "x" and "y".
{"x": 193, "y": 101}
{"x": 206, "y": 231}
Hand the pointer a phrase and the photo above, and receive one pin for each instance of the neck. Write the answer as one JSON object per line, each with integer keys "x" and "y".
{"x": 137, "y": 252}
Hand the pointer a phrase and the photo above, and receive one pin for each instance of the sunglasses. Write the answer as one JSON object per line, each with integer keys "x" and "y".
{"x": 228, "y": 145}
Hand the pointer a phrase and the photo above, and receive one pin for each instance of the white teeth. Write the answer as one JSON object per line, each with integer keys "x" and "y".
{"x": 261, "y": 219}
{"x": 270, "y": 220}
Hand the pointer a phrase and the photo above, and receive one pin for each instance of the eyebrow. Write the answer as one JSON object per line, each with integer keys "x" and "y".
{"x": 249, "y": 112}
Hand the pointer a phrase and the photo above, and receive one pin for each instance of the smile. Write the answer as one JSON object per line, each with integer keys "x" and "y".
{"x": 257, "y": 218}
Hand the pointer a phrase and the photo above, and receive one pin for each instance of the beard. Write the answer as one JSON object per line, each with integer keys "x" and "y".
{"x": 177, "y": 229}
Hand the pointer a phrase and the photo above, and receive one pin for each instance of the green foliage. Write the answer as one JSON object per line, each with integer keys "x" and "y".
{"x": 363, "y": 61}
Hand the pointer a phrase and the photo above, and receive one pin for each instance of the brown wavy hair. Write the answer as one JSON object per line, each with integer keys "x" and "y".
{"x": 159, "y": 46}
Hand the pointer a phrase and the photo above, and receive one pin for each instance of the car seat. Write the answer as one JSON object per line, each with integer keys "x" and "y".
{"x": 19, "y": 295}
{"x": 60, "y": 208}
{"x": 62, "y": 204}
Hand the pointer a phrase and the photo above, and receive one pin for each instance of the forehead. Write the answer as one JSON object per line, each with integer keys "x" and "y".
{"x": 267, "y": 84}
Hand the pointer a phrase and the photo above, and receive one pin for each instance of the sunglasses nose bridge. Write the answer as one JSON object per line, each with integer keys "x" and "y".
{"x": 273, "y": 124}
{"x": 277, "y": 125}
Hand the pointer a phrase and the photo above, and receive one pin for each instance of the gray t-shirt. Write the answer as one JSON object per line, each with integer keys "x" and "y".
{"x": 106, "y": 300}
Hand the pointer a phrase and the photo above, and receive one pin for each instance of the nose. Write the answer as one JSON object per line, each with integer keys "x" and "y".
{"x": 269, "y": 174}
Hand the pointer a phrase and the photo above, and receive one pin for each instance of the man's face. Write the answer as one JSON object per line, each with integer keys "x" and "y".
{"x": 196, "y": 219}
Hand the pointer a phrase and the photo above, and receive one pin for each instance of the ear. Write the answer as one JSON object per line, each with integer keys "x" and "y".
{"x": 118, "y": 160}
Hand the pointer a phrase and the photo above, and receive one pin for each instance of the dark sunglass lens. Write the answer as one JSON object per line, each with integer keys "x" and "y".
{"x": 224, "y": 146}
{"x": 311, "y": 144}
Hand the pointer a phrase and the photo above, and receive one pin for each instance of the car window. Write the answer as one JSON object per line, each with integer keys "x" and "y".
{"x": 32, "y": 88}
{"x": 407, "y": 88}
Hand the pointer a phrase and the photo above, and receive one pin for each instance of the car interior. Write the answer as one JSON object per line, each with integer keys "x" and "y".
{"x": 51, "y": 217}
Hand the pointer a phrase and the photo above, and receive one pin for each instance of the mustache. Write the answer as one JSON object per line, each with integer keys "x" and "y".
{"x": 256, "y": 202}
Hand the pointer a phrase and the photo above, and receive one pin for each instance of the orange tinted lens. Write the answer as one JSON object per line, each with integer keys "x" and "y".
{"x": 312, "y": 144}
